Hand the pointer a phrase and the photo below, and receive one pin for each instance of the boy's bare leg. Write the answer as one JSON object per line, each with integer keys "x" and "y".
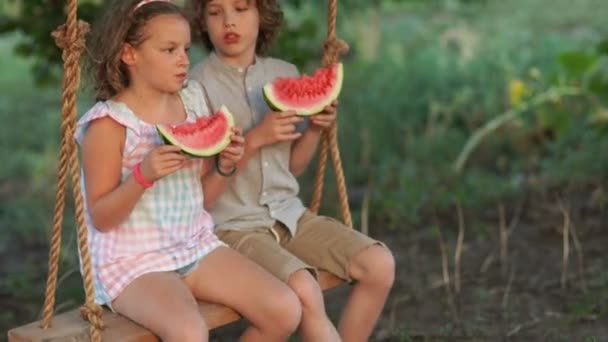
{"x": 374, "y": 271}
{"x": 315, "y": 325}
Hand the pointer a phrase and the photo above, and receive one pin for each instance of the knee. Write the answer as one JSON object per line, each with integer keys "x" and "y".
{"x": 287, "y": 313}
{"x": 187, "y": 329}
{"x": 375, "y": 266}
{"x": 307, "y": 289}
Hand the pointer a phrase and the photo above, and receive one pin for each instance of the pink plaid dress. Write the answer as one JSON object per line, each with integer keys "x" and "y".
{"x": 168, "y": 229}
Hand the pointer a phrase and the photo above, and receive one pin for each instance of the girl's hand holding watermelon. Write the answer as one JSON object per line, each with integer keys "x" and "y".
{"x": 231, "y": 155}
{"x": 162, "y": 161}
{"x": 326, "y": 118}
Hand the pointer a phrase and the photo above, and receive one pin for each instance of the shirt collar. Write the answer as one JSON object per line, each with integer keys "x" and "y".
{"x": 218, "y": 63}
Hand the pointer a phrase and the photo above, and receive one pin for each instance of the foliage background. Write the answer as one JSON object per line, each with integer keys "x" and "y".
{"x": 422, "y": 78}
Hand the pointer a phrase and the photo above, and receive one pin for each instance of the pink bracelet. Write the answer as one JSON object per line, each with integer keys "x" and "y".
{"x": 139, "y": 178}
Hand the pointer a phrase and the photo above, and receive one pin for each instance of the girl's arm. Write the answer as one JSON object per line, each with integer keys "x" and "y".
{"x": 304, "y": 148}
{"x": 109, "y": 201}
{"x": 234, "y": 157}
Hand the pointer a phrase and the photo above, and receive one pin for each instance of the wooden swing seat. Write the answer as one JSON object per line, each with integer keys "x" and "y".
{"x": 70, "y": 326}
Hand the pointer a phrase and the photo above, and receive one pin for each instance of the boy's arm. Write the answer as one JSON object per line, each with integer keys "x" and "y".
{"x": 275, "y": 127}
{"x": 304, "y": 148}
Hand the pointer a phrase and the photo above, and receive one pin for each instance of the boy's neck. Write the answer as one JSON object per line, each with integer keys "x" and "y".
{"x": 237, "y": 62}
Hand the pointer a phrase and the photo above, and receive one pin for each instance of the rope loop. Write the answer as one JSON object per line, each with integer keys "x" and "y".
{"x": 334, "y": 48}
{"x": 71, "y": 43}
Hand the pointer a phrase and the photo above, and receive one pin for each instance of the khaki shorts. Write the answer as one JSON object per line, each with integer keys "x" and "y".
{"x": 320, "y": 243}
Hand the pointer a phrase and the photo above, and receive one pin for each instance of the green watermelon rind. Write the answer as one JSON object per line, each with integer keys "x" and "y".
{"x": 276, "y": 105}
{"x": 169, "y": 139}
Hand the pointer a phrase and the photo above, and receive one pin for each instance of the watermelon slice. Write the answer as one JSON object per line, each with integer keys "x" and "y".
{"x": 205, "y": 137}
{"x": 306, "y": 95}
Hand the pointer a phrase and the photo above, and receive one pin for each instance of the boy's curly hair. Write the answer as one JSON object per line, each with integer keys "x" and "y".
{"x": 271, "y": 19}
{"x": 118, "y": 25}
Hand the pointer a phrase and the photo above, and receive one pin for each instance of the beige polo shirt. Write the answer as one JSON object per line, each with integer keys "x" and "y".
{"x": 264, "y": 190}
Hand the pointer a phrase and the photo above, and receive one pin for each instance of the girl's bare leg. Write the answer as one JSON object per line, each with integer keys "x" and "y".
{"x": 227, "y": 277}
{"x": 162, "y": 303}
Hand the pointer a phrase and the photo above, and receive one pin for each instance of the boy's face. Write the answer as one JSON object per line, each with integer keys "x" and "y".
{"x": 233, "y": 27}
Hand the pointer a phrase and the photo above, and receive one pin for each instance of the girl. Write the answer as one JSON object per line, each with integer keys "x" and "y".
{"x": 152, "y": 245}
{"x": 260, "y": 214}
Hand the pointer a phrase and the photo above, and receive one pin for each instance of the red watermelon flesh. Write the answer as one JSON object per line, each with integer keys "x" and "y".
{"x": 306, "y": 95}
{"x": 207, "y": 136}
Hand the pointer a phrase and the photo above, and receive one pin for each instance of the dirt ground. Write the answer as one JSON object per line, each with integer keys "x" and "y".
{"x": 522, "y": 302}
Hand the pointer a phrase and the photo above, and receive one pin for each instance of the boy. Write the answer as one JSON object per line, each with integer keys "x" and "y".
{"x": 256, "y": 205}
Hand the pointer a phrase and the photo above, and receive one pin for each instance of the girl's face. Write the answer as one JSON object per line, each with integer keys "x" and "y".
{"x": 161, "y": 60}
{"x": 233, "y": 27}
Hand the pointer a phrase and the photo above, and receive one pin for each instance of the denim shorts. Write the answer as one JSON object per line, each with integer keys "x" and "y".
{"x": 186, "y": 270}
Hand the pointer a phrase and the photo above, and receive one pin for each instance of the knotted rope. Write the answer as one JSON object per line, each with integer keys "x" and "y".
{"x": 333, "y": 49}
{"x": 70, "y": 37}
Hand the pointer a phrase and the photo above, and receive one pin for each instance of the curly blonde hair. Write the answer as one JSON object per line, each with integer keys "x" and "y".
{"x": 271, "y": 19}
{"x": 119, "y": 24}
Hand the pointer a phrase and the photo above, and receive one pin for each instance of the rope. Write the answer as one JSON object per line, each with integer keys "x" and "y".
{"x": 333, "y": 49}
{"x": 70, "y": 37}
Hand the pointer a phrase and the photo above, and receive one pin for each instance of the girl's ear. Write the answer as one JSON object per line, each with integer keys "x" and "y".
{"x": 127, "y": 54}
